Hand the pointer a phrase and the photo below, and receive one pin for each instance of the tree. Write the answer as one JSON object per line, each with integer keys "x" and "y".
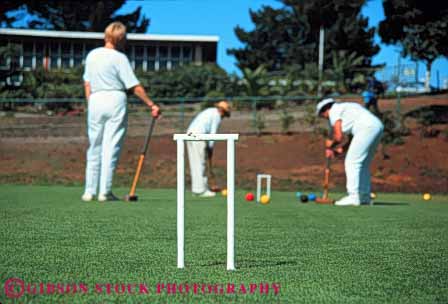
{"x": 9, "y": 68}
{"x": 341, "y": 64}
{"x": 7, "y": 6}
{"x": 419, "y": 27}
{"x": 277, "y": 37}
{"x": 273, "y": 41}
{"x": 290, "y": 35}
{"x": 9, "y": 61}
{"x": 255, "y": 82}
{"x": 90, "y": 16}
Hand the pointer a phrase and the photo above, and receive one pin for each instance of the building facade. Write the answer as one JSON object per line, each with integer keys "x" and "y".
{"x": 63, "y": 49}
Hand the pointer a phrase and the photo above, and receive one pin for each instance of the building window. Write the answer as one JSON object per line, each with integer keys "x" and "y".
{"x": 66, "y": 52}
{"x": 15, "y": 58}
{"x": 15, "y": 80}
{"x": 175, "y": 56}
{"x": 151, "y": 58}
{"x": 40, "y": 52}
{"x": 139, "y": 53}
{"x": 163, "y": 57}
{"x": 89, "y": 47}
{"x": 54, "y": 55}
{"x": 130, "y": 54}
{"x": 187, "y": 55}
{"x": 3, "y": 59}
{"x": 28, "y": 55}
{"x": 78, "y": 54}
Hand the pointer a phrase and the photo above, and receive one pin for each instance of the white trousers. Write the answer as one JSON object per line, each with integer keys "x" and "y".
{"x": 358, "y": 159}
{"x": 196, "y": 156}
{"x": 107, "y": 123}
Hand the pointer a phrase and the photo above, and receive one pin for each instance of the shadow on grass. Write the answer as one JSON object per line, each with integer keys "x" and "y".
{"x": 253, "y": 264}
{"x": 390, "y": 204}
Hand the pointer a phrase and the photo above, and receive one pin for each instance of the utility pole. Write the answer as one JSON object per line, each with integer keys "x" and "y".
{"x": 398, "y": 108}
{"x": 321, "y": 59}
{"x": 438, "y": 81}
{"x": 416, "y": 72}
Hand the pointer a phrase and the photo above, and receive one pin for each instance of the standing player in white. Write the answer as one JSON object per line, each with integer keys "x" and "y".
{"x": 107, "y": 76}
{"x": 365, "y": 130}
{"x": 206, "y": 122}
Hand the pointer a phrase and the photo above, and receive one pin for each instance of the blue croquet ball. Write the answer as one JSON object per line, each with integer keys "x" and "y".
{"x": 298, "y": 194}
{"x": 312, "y": 197}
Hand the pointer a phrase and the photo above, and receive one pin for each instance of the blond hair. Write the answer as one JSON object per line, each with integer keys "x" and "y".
{"x": 115, "y": 33}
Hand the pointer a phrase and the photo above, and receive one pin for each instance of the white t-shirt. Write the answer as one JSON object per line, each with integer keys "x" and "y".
{"x": 108, "y": 70}
{"x": 206, "y": 122}
{"x": 354, "y": 117}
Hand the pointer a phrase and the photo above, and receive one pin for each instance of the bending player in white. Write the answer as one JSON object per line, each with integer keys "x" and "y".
{"x": 366, "y": 130}
{"x": 206, "y": 122}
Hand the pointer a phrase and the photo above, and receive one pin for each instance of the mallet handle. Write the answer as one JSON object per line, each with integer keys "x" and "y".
{"x": 326, "y": 179}
{"x": 142, "y": 157}
{"x": 137, "y": 174}
{"x": 148, "y": 136}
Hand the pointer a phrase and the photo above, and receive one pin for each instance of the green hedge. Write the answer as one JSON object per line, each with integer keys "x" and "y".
{"x": 187, "y": 81}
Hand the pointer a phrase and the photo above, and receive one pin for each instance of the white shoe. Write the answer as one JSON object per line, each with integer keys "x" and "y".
{"x": 348, "y": 201}
{"x": 110, "y": 197}
{"x": 207, "y": 193}
{"x": 87, "y": 197}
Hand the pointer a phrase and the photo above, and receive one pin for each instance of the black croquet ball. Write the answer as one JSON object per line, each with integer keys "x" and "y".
{"x": 304, "y": 198}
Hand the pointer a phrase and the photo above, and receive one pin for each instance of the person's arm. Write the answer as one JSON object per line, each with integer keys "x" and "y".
{"x": 209, "y": 148}
{"x": 343, "y": 147}
{"x": 333, "y": 145}
{"x": 140, "y": 92}
{"x": 87, "y": 90}
{"x": 127, "y": 76}
{"x": 86, "y": 78}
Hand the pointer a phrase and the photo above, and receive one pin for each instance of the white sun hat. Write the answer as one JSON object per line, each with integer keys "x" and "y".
{"x": 323, "y": 103}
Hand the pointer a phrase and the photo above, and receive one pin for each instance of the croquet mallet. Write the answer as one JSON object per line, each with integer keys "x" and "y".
{"x": 324, "y": 199}
{"x": 211, "y": 177}
{"x": 131, "y": 197}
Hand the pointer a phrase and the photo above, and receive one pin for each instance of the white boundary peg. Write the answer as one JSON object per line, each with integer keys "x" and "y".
{"x": 180, "y": 139}
{"x": 268, "y": 185}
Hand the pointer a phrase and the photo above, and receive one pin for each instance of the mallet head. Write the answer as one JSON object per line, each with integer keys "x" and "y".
{"x": 131, "y": 198}
{"x": 320, "y": 200}
{"x": 215, "y": 188}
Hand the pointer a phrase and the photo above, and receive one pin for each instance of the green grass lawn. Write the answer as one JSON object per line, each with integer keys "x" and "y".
{"x": 394, "y": 252}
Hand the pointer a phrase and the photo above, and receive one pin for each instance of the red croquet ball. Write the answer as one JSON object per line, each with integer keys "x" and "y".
{"x": 250, "y": 197}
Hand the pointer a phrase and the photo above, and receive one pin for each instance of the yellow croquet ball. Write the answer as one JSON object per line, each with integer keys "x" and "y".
{"x": 372, "y": 195}
{"x": 427, "y": 196}
{"x": 264, "y": 199}
{"x": 224, "y": 192}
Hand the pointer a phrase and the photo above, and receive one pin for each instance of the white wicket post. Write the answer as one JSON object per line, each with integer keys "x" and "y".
{"x": 230, "y": 205}
{"x": 259, "y": 186}
{"x": 180, "y": 202}
{"x": 230, "y": 138}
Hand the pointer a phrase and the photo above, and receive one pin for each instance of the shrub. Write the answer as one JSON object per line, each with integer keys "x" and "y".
{"x": 394, "y": 129}
{"x": 259, "y": 123}
{"x": 287, "y": 120}
{"x": 211, "y": 98}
